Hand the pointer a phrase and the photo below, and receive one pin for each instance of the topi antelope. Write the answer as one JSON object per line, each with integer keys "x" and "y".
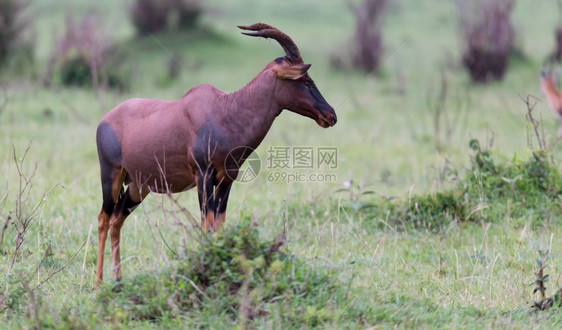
{"x": 172, "y": 146}
{"x": 553, "y": 96}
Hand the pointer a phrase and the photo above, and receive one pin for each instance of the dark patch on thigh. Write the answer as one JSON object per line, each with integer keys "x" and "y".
{"x": 109, "y": 154}
{"x": 109, "y": 146}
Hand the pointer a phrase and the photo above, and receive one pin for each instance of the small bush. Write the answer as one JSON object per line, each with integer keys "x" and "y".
{"x": 491, "y": 189}
{"x": 85, "y": 56}
{"x": 437, "y": 209}
{"x": 237, "y": 275}
{"x": 488, "y": 37}
{"x": 545, "y": 302}
{"x": 153, "y": 16}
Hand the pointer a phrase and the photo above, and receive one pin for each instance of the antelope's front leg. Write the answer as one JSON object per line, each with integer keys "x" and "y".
{"x": 205, "y": 192}
{"x": 221, "y": 199}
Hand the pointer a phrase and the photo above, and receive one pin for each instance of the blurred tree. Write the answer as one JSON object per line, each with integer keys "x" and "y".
{"x": 86, "y": 56}
{"x": 366, "y": 48}
{"x": 152, "y": 16}
{"x": 557, "y": 54}
{"x": 13, "y": 26}
{"x": 487, "y": 37}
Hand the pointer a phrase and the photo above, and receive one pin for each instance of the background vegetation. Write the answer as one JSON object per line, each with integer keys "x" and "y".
{"x": 444, "y": 197}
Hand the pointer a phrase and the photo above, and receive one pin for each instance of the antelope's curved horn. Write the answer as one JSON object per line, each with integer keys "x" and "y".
{"x": 267, "y": 31}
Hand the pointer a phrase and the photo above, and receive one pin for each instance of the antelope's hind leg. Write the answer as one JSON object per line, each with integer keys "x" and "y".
{"x": 112, "y": 186}
{"x": 112, "y": 178}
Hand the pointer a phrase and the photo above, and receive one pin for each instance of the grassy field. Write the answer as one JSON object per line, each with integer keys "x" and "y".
{"x": 382, "y": 272}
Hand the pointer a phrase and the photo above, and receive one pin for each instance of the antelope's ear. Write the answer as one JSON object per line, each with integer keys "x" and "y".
{"x": 292, "y": 72}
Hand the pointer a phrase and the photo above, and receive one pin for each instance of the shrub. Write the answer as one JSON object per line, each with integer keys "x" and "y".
{"x": 488, "y": 37}
{"x": 153, "y": 16}
{"x": 491, "y": 189}
{"x": 544, "y": 303}
{"x": 235, "y": 275}
{"x": 85, "y": 56}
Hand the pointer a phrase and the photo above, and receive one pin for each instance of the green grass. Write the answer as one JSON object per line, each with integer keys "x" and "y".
{"x": 454, "y": 273}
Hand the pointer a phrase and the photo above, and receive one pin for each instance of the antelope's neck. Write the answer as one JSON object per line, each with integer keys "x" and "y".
{"x": 251, "y": 110}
